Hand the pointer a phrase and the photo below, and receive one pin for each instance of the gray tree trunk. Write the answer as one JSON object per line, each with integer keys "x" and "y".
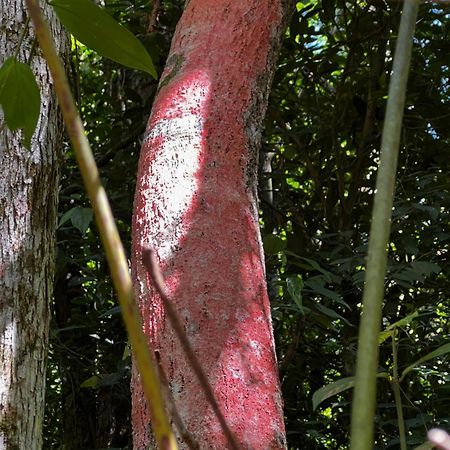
{"x": 28, "y": 206}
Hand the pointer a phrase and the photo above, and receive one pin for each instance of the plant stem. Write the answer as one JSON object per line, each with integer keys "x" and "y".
{"x": 108, "y": 232}
{"x": 363, "y": 406}
{"x": 395, "y": 384}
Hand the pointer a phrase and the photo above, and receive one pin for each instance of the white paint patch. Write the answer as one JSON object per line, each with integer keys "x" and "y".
{"x": 256, "y": 348}
{"x": 9, "y": 343}
{"x": 171, "y": 181}
{"x": 170, "y": 185}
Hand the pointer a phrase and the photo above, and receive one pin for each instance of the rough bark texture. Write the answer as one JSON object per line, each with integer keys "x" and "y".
{"x": 196, "y": 204}
{"x": 28, "y": 198}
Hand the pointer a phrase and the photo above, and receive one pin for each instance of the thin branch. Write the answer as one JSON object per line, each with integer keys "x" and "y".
{"x": 109, "y": 234}
{"x": 151, "y": 264}
{"x": 153, "y": 16}
{"x": 395, "y": 384}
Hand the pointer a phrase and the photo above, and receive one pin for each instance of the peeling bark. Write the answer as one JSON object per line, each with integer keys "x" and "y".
{"x": 28, "y": 197}
{"x": 196, "y": 204}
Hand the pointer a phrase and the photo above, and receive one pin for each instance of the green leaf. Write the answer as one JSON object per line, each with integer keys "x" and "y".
{"x": 417, "y": 271}
{"x": 273, "y": 244}
{"x": 317, "y": 287}
{"x": 95, "y": 28}
{"x": 442, "y": 350}
{"x": 336, "y": 387}
{"x": 80, "y": 217}
{"x": 314, "y": 265}
{"x": 331, "y": 389}
{"x": 331, "y": 313}
{"x": 91, "y": 382}
{"x": 389, "y": 331}
{"x": 425, "y": 446}
{"x": 19, "y": 97}
{"x": 425, "y": 268}
{"x": 110, "y": 312}
{"x": 294, "y": 285}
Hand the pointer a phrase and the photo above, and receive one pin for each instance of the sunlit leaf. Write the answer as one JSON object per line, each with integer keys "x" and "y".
{"x": 80, "y": 217}
{"x": 336, "y": 387}
{"x": 389, "y": 331}
{"x": 95, "y": 28}
{"x": 442, "y": 350}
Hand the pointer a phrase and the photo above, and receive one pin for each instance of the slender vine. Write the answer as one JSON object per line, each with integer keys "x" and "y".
{"x": 115, "y": 253}
{"x": 395, "y": 384}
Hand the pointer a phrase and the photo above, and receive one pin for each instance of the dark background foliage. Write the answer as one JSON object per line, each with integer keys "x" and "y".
{"x": 318, "y": 163}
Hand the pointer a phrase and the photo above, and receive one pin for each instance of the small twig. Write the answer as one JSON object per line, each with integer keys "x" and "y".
{"x": 439, "y": 438}
{"x": 395, "y": 384}
{"x": 153, "y": 16}
{"x": 151, "y": 264}
{"x": 22, "y": 37}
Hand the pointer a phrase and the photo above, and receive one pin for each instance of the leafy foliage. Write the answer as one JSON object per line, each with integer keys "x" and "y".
{"x": 323, "y": 136}
{"x": 19, "y": 97}
{"x": 95, "y": 28}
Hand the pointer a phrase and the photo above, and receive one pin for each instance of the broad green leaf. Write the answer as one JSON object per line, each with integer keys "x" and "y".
{"x": 316, "y": 286}
{"x": 80, "y": 217}
{"x": 95, "y": 28}
{"x": 430, "y": 210}
{"x": 91, "y": 382}
{"x": 273, "y": 244}
{"x": 110, "y": 312}
{"x": 313, "y": 265}
{"x": 331, "y": 389}
{"x": 19, "y": 97}
{"x": 294, "y": 285}
{"x": 442, "y": 350}
{"x": 418, "y": 271}
{"x": 65, "y": 217}
{"x": 425, "y": 446}
{"x": 331, "y": 313}
{"x": 425, "y": 268}
{"x": 385, "y": 334}
{"x": 111, "y": 379}
{"x": 388, "y": 332}
{"x": 336, "y": 387}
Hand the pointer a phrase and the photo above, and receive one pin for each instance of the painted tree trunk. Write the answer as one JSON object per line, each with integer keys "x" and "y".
{"x": 196, "y": 205}
{"x": 28, "y": 198}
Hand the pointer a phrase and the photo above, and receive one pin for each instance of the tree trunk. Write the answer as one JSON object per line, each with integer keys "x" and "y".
{"x": 28, "y": 197}
{"x": 196, "y": 204}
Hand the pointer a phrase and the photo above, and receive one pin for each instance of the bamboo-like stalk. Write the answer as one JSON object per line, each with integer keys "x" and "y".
{"x": 363, "y": 406}
{"x": 108, "y": 232}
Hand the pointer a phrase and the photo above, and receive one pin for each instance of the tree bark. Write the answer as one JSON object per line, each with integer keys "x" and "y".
{"x": 28, "y": 199}
{"x": 196, "y": 204}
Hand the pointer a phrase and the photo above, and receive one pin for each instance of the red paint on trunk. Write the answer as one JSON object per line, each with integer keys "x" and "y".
{"x": 196, "y": 205}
